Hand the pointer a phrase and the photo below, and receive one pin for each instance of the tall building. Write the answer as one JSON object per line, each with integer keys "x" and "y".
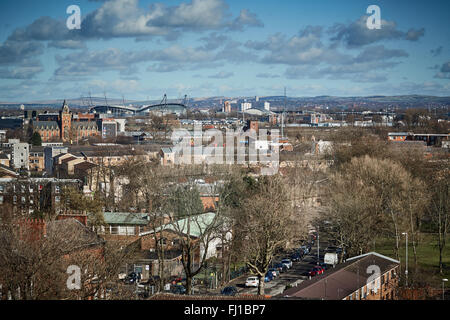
{"x": 20, "y": 155}
{"x": 227, "y": 107}
{"x": 245, "y": 106}
{"x": 267, "y": 106}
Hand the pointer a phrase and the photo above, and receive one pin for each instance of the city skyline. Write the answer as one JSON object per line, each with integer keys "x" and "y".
{"x": 142, "y": 49}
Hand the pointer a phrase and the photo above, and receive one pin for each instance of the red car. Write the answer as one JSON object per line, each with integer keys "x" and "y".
{"x": 316, "y": 271}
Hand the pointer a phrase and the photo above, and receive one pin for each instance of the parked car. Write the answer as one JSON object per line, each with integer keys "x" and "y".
{"x": 316, "y": 271}
{"x": 281, "y": 267}
{"x": 295, "y": 257}
{"x": 287, "y": 262}
{"x": 268, "y": 277}
{"x": 324, "y": 265}
{"x": 131, "y": 278}
{"x": 178, "y": 289}
{"x": 229, "y": 291}
{"x": 275, "y": 272}
{"x": 305, "y": 249}
{"x": 252, "y": 282}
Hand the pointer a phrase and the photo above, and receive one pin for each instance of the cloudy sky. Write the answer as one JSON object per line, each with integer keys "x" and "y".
{"x": 143, "y": 48}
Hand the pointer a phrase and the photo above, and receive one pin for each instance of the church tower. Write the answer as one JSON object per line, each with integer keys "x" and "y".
{"x": 65, "y": 122}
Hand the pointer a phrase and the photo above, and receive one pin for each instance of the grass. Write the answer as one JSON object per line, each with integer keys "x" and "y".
{"x": 427, "y": 257}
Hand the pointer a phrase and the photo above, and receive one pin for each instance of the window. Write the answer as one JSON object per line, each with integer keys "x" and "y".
{"x": 2, "y": 188}
{"x": 357, "y": 295}
{"x": 14, "y": 199}
{"x": 23, "y": 199}
{"x": 1, "y": 199}
{"x": 57, "y": 189}
{"x": 363, "y": 293}
{"x": 57, "y": 199}
{"x": 114, "y": 230}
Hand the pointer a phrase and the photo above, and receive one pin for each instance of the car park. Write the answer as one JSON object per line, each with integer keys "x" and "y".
{"x": 252, "y": 282}
{"x": 229, "y": 291}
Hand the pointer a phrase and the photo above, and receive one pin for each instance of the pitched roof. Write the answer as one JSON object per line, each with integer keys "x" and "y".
{"x": 346, "y": 278}
{"x": 125, "y": 218}
{"x": 195, "y": 224}
{"x": 45, "y": 125}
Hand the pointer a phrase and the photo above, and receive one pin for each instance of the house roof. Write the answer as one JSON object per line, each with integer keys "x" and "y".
{"x": 125, "y": 218}
{"x": 346, "y": 278}
{"x": 45, "y": 124}
{"x": 195, "y": 224}
{"x": 74, "y": 233}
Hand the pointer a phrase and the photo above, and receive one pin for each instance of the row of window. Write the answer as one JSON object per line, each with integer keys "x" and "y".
{"x": 380, "y": 282}
{"x": 30, "y": 188}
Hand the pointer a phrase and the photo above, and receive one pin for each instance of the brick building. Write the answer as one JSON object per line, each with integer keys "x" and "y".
{"x": 370, "y": 276}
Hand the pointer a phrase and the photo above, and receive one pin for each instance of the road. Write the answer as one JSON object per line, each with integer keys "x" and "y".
{"x": 295, "y": 275}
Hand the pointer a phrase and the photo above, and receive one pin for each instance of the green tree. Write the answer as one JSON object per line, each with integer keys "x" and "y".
{"x": 36, "y": 139}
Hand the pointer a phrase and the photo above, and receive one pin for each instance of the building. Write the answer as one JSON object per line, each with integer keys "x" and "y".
{"x": 267, "y": 106}
{"x": 370, "y": 276}
{"x": 20, "y": 155}
{"x": 109, "y": 128}
{"x": 227, "y": 107}
{"x": 34, "y": 194}
{"x": 431, "y": 139}
{"x": 245, "y": 106}
{"x": 167, "y": 156}
{"x": 2, "y": 136}
{"x": 65, "y": 126}
{"x": 37, "y": 159}
{"x": 49, "y": 154}
{"x": 4, "y": 160}
{"x": 397, "y": 136}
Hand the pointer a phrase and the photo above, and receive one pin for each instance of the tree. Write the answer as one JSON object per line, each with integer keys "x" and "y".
{"x": 195, "y": 230}
{"x": 263, "y": 222}
{"x": 440, "y": 213}
{"x": 370, "y": 197}
{"x": 36, "y": 139}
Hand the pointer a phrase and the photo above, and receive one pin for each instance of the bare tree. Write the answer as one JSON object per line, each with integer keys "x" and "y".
{"x": 440, "y": 213}
{"x": 263, "y": 222}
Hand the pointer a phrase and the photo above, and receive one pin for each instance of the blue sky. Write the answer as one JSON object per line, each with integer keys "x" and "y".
{"x": 142, "y": 49}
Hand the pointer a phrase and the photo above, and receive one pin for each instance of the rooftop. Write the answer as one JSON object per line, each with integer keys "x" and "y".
{"x": 346, "y": 278}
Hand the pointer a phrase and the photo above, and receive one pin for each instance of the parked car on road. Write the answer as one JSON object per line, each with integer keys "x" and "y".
{"x": 268, "y": 277}
{"x": 252, "y": 282}
{"x": 287, "y": 263}
{"x": 275, "y": 272}
{"x": 295, "y": 257}
{"x": 229, "y": 291}
{"x": 306, "y": 249}
{"x": 281, "y": 267}
{"x": 178, "y": 289}
{"x": 316, "y": 271}
{"x": 131, "y": 278}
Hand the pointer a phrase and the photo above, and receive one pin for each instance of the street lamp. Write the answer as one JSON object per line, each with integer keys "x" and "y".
{"x": 406, "y": 271}
{"x": 443, "y": 292}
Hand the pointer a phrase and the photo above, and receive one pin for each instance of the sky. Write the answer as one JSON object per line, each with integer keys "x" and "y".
{"x": 142, "y": 49}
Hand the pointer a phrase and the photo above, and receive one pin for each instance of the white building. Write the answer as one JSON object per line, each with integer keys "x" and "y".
{"x": 267, "y": 106}
{"x": 20, "y": 155}
{"x": 245, "y": 106}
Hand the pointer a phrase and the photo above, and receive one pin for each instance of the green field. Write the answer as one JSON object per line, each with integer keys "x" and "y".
{"x": 427, "y": 257}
